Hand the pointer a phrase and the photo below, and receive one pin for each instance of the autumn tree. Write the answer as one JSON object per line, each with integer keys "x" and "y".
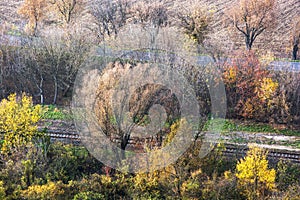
{"x": 18, "y": 120}
{"x": 34, "y": 11}
{"x": 296, "y": 39}
{"x": 254, "y": 176}
{"x": 121, "y": 120}
{"x": 66, "y": 8}
{"x": 252, "y": 18}
{"x": 195, "y": 23}
{"x": 252, "y": 90}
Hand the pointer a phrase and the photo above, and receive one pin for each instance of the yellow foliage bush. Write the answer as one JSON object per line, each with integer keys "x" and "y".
{"x": 268, "y": 88}
{"x": 252, "y": 90}
{"x": 146, "y": 185}
{"x": 2, "y": 190}
{"x": 230, "y": 75}
{"x": 191, "y": 185}
{"x": 43, "y": 192}
{"x": 173, "y": 130}
{"x": 254, "y": 177}
{"x": 18, "y": 121}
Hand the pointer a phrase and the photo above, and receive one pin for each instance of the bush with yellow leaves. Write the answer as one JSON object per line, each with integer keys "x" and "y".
{"x": 2, "y": 190}
{"x": 254, "y": 177}
{"x": 252, "y": 90}
{"x": 18, "y": 120}
{"x": 49, "y": 191}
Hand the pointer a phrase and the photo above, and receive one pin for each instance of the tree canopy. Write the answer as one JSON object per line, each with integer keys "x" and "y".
{"x": 253, "y": 17}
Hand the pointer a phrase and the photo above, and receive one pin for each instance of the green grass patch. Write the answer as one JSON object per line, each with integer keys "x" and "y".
{"x": 295, "y": 144}
{"x": 54, "y": 113}
{"x": 230, "y": 125}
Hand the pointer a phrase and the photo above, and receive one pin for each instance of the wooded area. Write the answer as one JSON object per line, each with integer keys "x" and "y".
{"x": 45, "y": 46}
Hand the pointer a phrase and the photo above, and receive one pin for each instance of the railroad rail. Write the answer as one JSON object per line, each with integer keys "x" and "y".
{"x": 234, "y": 150}
{"x": 231, "y": 150}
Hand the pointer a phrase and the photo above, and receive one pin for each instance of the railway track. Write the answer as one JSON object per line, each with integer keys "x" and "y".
{"x": 231, "y": 150}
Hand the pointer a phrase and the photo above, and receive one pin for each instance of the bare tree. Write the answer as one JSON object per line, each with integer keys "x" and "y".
{"x": 48, "y": 67}
{"x": 108, "y": 17}
{"x": 150, "y": 13}
{"x": 61, "y": 60}
{"x": 253, "y": 17}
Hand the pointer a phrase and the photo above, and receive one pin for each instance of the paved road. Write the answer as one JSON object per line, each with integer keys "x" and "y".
{"x": 202, "y": 60}
{"x": 285, "y": 66}
{"x": 275, "y": 65}
{"x": 146, "y": 55}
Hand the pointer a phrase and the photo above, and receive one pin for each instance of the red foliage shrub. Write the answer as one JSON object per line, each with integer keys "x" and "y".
{"x": 252, "y": 92}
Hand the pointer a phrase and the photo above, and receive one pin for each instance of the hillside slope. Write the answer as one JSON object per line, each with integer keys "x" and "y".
{"x": 8, "y": 11}
{"x": 276, "y": 41}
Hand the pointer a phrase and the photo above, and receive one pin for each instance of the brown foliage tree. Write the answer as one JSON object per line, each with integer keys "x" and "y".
{"x": 67, "y": 8}
{"x": 113, "y": 120}
{"x": 253, "y": 17}
{"x": 34, "y": 11}
{"x": 195, "y": 23}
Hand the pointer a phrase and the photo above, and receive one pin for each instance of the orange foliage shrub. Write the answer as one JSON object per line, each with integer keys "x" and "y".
{"x": 252, "y": 93}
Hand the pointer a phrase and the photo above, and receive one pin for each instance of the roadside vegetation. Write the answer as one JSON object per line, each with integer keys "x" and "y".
{"x": 44, "y": 44}
{"x": 40, "y": 169}
{"x": 254, "y": 127}
{"x": 52, "y": 112}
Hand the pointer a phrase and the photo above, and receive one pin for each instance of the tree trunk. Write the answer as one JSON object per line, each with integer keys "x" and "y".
{"x": 35, "y": 27}
{"x": 41, "y": 91}
{"x": 248, "y": 42}
{"x": 55, "y": 90}
{"x": 295, "y": 51}
{"x": 124, "y": 142}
